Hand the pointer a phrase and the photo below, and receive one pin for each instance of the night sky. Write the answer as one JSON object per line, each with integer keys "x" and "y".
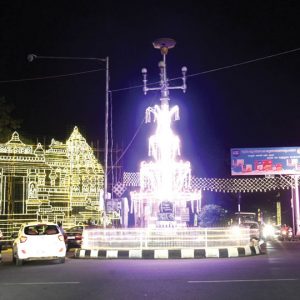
{"x": 252, "y": 105}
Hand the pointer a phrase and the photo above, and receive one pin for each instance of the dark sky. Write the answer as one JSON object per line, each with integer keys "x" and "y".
{"x": 253, "y": 105}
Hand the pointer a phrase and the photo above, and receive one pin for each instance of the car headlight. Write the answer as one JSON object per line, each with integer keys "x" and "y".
{"x": 269, "y": 231}
{"x": 236, "y": 232}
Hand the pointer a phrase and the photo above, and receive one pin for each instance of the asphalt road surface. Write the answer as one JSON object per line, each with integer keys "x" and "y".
{"x": 275, "y": 275}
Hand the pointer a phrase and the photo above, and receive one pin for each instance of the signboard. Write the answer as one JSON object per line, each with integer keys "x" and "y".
{"x": 265, "y": 161}
{"x": 166, "y": 211}
{"x": 165, "y": 217}
{"x": 166, "y": 207}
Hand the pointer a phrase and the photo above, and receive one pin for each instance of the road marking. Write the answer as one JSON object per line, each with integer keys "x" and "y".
{"x": 40, "y": 283}
{"x": 243, "y": 280}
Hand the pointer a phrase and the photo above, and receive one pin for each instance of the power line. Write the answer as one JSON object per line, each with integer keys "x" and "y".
{"x": 132, "y": 139}
{"x": 197, "y": 74}
{"x": 51, "y": 77}
{"x": 139, "y": 86}
{"x": 244, "y": 62}
{"x": 220, "y": 68}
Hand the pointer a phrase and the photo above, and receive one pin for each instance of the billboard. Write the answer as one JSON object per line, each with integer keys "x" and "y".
{"x": 265, "y": 161}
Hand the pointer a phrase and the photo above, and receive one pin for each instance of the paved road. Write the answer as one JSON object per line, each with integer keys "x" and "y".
{"x": 275, "y": 275}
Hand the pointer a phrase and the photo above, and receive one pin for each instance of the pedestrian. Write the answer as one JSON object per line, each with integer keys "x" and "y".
{"x": 62, "y": 230}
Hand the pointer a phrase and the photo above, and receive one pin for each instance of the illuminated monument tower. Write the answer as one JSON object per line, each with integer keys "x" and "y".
{"x": 165, "y": 195}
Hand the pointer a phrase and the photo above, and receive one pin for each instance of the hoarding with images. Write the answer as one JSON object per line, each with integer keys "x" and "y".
{"x": 265, "y": 161}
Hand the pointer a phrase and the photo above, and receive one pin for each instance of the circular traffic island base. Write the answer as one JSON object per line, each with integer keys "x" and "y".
{"x": 185, "y": 253}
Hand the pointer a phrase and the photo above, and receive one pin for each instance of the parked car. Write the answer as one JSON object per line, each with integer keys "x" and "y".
{"x": 254, "y": 229}
{"x": 74, "y": 235}
{"x": 39, "y": 241}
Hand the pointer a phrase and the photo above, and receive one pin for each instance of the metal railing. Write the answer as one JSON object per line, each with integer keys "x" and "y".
{"x": 164, "y": 238}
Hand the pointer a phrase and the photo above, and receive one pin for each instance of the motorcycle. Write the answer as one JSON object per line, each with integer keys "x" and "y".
{"x": 286, "y": 234}
{"x": 290, "y": 234}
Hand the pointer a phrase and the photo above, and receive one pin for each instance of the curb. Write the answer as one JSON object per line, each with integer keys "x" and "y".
{"x": 169, "y": 254}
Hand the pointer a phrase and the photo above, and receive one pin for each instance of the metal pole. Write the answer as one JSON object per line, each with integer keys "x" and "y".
{"x": 293, "y": 212}
{"x": 239, "y": 207}
{"x": 296, "y": 177}
{"x": 106, "y": 136}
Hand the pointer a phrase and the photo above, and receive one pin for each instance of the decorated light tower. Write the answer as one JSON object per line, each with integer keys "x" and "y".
{"x": 165, "y": 181}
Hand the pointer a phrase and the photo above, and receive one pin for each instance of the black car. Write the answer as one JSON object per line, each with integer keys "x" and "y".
{"x": 74, "y": 235}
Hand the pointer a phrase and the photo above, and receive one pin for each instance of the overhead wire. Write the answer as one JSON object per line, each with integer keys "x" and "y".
{"x": 131, "y": 141}
{"x": 218, "y": 69}
{"x": 139, "y": 86}
{"x": 51, "y": 76}
{"x": 197, "y": 74}
{"x": 244, "y": 62}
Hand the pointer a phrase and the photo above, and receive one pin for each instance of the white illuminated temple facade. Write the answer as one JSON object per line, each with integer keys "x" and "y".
{"x": 62, "y": 183}
{"x": 165, "y": 180}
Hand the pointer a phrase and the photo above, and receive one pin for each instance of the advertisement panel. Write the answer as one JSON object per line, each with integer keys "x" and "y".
{"x": 265, "y": 161}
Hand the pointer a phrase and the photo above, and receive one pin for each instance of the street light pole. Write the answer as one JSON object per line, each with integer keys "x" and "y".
{"x": 31, "y": 57}
{"x": 239, "y": 206}
{"x": 106, "y": 133}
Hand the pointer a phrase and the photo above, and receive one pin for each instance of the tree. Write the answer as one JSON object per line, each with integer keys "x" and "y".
{"x": 212, "y": 216}
{"x": 8, "y": 124}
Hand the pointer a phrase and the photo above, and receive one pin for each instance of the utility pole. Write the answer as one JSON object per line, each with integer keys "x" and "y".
{"x": 32, "y": 57}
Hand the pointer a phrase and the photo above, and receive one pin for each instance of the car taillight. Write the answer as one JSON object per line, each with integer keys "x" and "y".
{"x": 61, "y": 237}
{"x": 23, "y": 239}
{"x": 78, "y": 237}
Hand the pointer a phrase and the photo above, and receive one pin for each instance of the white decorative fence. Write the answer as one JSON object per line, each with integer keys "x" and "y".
{"x": 164, "y": 238}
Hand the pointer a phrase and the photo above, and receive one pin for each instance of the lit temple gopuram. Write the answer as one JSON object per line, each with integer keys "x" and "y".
{"x": 60, "y": 184}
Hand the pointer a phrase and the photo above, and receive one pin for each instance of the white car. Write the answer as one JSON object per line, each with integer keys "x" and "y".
{"x": 39, "y": 241}
{"x": 254, "y": 229}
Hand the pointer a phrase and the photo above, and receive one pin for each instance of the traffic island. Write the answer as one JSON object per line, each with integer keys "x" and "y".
{"x": 167, "y": 243}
